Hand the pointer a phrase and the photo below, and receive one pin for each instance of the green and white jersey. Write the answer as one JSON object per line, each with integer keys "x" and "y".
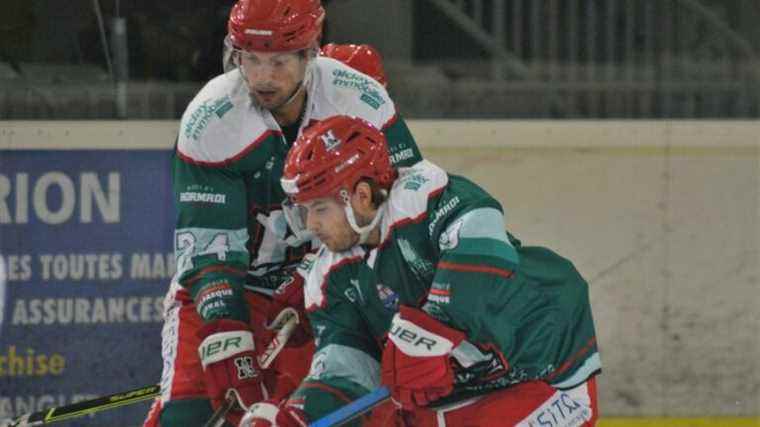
{"x": 525, "y": 310}
{"x": 231, "y": 229}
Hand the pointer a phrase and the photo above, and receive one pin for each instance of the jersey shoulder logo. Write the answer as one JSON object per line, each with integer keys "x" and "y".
{"x": 414, "y": 182}
{"x": 368, "y": 90}
{"x": 203, "y": 114}
{"x": 449, "y": 239}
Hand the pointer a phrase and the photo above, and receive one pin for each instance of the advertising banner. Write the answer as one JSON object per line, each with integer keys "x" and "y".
{"x": 86, "y": 257}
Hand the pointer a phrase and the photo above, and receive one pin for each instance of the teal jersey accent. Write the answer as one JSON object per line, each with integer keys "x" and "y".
{"x": 525, "y": 310}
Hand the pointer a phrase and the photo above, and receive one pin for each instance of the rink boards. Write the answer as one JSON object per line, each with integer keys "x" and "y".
{"x": 661, "y": 218}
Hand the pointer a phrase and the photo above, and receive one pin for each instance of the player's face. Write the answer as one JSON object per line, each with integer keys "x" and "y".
{"x": 326, "y": 218}
{"x": 272, "y": 77}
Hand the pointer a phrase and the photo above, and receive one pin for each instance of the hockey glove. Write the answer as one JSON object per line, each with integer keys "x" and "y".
{"x": 290, "y": 295}
{"x": 230, "y": 365}
{"x": 416, "y": 362}
{"x": 271, "y": 414}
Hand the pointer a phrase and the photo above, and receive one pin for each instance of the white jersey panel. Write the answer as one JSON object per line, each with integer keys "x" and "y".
{"x": 221, "y": 122}
{"x": 315, "y": 290}
{"x": 411, "y": 192}
{"x": 337, "y": 89}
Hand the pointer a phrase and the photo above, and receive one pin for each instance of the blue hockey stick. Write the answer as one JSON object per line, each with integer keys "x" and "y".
{"x": 353, "y": 409}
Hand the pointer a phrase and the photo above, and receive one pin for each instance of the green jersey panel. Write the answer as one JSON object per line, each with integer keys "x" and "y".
{"x": 402, "y": 149}
{"x": 346, "y": 363}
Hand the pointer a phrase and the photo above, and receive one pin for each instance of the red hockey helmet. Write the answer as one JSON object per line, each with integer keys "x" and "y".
{"x": 275, "y": 25}
{"x": 361, "y": 57}
{"x": 333, "y": 155}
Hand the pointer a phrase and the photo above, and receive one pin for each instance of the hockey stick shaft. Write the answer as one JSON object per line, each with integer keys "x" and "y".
{"x": 354, "y": 409}
{"x": 284, "y": 327}
{"x": 285, "y": 324}
{"x": 217, "y": 420}
{"x": 86, "y": 407}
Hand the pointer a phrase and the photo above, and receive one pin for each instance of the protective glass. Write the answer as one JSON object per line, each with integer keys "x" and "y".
{"x": 295, "y": 215}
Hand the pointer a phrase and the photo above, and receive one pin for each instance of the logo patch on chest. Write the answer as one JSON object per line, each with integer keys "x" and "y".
{"x": 387, "y": 297}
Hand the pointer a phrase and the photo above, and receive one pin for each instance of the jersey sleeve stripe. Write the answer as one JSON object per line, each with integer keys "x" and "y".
{"x": 437, "y": 192}
{"x": 590, "y": 345}
{"x": 590, "y": 367}
{"x": 486, "y": 246}
{"x": 226, "y": 162}
{"x": 324, "y": 387}
{"x": 390, "y": 122}
{"x": 213, "y": 269}
{"x": 471, "y": 268}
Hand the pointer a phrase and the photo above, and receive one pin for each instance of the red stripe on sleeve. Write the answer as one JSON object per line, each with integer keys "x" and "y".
{"x": 469, "y": 268}
{"x": 390, "y": 122}
{"x": 220, "y": 164}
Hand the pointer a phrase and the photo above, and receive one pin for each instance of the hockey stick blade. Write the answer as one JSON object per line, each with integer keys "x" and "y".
{"x": 217, "y": 420}
{"x": 85, "y": 407}
{"x": 354, "y": 409}
{"x": 285, "y": 324}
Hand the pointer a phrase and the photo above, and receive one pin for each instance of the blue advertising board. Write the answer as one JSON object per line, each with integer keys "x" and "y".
{"x": 86, "y": 254}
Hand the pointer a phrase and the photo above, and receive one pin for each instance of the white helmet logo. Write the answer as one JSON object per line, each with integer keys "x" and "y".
{"x": 330, "y": 140}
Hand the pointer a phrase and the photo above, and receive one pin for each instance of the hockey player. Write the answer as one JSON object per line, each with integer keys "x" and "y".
{"x": 362, "y": 57}
{"x": 418, "y": 287}
{"x": 234, "y": 241}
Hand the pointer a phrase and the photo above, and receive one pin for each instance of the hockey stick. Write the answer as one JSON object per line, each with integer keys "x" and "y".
{"x": 85, "y": 407}
{"x": 285, "y": 324}
{"x": 217, "y": 420}
{"x": 369, "y": 401}
{"x": 354, "y": 409}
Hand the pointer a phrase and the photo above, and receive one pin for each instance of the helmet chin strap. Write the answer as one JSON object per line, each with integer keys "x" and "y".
{"x": 365, "y": 231}
{"x": 301, "y": 86}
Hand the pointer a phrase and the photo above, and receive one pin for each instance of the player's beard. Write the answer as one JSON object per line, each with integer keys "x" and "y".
{"x": 276, "y": 102}
{"x": 269, "y": 98}
{"x": 343, "y": 240}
